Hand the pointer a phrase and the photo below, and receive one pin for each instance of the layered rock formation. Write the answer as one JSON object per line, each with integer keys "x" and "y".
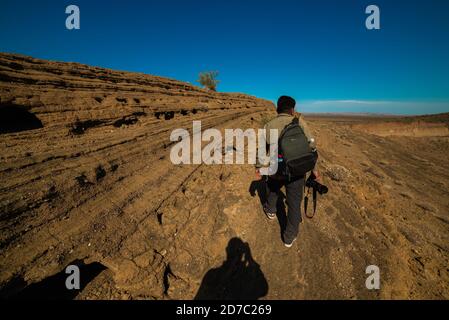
{"x": 86, "y": 175}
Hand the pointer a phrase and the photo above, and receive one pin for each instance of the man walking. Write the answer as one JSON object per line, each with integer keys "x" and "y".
{"x": 294, "y": 185}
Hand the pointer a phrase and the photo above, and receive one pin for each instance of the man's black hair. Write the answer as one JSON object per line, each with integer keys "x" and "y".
{"x": 285, "y": 104}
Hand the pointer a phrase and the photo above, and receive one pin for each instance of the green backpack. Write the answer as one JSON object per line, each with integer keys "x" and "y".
{"x": 296, "y": 156}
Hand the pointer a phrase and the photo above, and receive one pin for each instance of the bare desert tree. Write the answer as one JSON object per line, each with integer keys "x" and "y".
{"x": 209, "y": 80}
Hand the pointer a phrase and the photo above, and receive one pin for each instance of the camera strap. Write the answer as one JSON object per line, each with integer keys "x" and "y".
{"x": 306, "y": 202}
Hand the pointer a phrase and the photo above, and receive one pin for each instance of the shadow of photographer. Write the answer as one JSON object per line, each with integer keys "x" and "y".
{"x": 238, "y": 278}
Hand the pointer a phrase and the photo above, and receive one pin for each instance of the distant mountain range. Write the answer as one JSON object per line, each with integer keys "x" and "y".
{"x": 439, "y": 116}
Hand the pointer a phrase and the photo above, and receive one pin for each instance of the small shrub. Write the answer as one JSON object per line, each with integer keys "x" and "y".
{"x": 209, "y": 80}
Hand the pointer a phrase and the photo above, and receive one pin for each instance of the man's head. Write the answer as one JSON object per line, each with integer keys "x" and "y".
{"x": 286, "y": 105}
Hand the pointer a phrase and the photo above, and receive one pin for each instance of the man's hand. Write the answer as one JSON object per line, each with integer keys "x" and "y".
{"x": 317, "y": 175}
{"x": 258, "y": 175}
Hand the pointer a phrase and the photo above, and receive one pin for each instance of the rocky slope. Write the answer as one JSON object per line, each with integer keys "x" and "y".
{"x": 86, "y": 179}
{"x": 86, "y": 175}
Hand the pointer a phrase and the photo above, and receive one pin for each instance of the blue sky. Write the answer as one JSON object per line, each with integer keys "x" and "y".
{"x": 316, "y": 51}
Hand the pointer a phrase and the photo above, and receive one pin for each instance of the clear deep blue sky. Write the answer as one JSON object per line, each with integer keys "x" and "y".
{"x": 317, "y": 51}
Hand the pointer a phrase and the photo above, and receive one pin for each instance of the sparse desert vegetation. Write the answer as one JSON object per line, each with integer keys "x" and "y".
{"x": 209, "y": 80}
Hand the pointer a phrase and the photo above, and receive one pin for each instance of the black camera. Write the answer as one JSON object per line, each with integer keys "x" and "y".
{"x": 315, "y": 185}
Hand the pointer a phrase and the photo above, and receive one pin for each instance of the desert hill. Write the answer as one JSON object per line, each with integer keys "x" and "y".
{"x": 86, "y": 179}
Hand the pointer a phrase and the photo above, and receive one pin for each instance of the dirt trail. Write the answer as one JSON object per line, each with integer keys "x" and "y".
{"x": 95, "y": 186}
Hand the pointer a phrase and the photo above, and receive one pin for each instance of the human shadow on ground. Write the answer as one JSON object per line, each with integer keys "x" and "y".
{"x": 238, "y": 278}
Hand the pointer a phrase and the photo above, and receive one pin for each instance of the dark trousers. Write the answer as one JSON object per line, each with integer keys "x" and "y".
{"x": 294, "y": 193}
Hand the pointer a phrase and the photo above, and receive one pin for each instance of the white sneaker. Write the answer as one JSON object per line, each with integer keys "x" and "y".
{"x": 270, "y": 215}
{"x": 289, "y": 245}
